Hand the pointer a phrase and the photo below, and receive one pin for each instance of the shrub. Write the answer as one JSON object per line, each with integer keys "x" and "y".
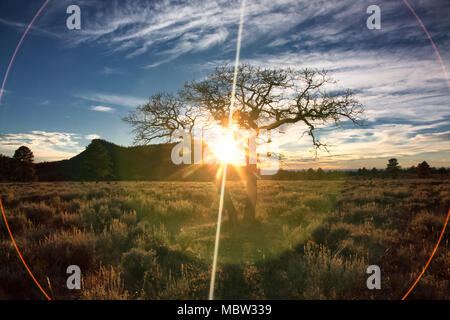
{"x": 140, "y": 267}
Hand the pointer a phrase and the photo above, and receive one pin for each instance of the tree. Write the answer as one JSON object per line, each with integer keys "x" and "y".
{"x": 97, "y": 163}
{"x": 373, "y": 172}
{"x": 23, "y": 166}
{"x": 265, "y": 99}
{"x": 423, "y": 170}
{"x": 412, "y": 170}
{"x": 393, "y": 168}
{"x": 320, "y": 174}
{"x": 442, "y": 171}
{"x": 5, "y": 168}
{"x": 363, "y": 172}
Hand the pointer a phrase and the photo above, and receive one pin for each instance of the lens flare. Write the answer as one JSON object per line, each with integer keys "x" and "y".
{"x": 226, "y": 149}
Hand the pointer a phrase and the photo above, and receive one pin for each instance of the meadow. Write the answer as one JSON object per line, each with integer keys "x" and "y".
{"x": 155, "y": 240}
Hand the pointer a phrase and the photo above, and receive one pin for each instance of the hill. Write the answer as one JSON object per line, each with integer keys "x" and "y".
{"x": 151, "y": 162}
{"x": 128, "y": 163}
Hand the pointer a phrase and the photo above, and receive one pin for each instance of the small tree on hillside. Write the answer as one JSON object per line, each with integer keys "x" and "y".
{"x": 23, "y": 166}
{"x": 423, "y": 170}
{"x": 97, "y": 163}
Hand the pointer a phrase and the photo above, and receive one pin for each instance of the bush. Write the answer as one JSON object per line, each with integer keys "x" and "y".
{"x": 39, "y": 212}
{"x": 140, "y": 269}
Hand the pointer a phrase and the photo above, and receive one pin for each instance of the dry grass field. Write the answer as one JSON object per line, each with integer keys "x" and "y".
{"x": 154, "y": 240}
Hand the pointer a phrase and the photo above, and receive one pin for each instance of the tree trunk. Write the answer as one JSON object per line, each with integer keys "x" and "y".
{"x": 229, "y": 207}
{"x": 228, "y": 204}
{"x": 251, "y": 184}
{"x": 250, "y": 177}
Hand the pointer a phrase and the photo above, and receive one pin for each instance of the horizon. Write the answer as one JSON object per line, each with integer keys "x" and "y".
{"x": 281, "y": 166}
{"x": 83, "y": 82}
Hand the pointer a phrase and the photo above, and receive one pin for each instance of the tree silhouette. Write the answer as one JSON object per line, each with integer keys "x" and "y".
{"x": 320, "y": 174}
{"x": 266, "y": 99}
{"x": 363, "y": 172}
{"x": 5, "y": 168}
{"x": 23, "y": 166}
{"x": 423, "y": 170}
{"x": 97, "y": 163}
{"x": 442, "y": 171}
{"x": 373, "y": 172}
{"x": 393, "y": 168}
{"x": 412, "y": 170}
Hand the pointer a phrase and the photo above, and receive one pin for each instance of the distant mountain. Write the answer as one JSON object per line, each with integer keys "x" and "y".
{"x": 152, "y": 162}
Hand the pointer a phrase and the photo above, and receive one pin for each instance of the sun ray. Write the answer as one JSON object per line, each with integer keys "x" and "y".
{"x": 219, "y": 218}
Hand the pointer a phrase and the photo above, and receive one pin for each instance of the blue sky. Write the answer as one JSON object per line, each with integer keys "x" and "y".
{"x": 69, "y": 86}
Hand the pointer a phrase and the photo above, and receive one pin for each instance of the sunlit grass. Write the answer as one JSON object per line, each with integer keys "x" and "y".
{"x": 311, "y": 239}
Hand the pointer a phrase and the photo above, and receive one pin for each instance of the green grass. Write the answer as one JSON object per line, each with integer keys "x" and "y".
{"x": 155, "y": 240}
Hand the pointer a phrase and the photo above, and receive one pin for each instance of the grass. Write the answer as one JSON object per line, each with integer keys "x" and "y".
{"x": 154, "y": 240}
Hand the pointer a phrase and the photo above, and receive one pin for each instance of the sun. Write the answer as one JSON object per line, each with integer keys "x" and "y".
{"x": 225, "y": 148}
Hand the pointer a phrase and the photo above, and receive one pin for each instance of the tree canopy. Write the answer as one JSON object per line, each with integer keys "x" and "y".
{"x": 393, "y": 168}
{"x": 266, "y": 99}
{"x": 97, "y": 164}
{"x": 24, "y": 169}
{"x": 423, "y": 169}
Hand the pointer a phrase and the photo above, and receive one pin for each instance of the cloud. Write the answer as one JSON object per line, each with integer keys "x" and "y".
{"x": 46, "y": 146}
{"x": 111, "y": 71}
{"x": 378, "y": 141}
{"x": 406, "y": 106}
{"x": 115, "y": 99}
{"x": 102, "y": 109}
{"x": 45, "y": 102}
{"x": 172, "y": 29}
{"x": 19, "y": 26}
{"x": 92, "y": 136}
{"x": 135, "y": 27}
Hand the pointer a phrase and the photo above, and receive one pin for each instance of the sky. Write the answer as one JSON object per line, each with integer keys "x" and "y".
{"x": 67, "y": 87}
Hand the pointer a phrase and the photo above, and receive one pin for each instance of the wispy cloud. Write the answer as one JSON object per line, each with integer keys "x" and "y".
{"x": 115, "y": 99}
{"x": 112, "y": 71}
{"x": 135, "y": 27}
{"x": 45, "y": 102}
{"x": 102, "y": 109}
{"x": 20, "y": 27}
{"x": 170, "y": 29}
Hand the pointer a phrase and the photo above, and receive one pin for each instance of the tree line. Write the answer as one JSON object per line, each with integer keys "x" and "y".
{"x": 393, "y": 170}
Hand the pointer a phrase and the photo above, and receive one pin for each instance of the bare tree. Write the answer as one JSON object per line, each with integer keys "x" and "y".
{"x": 159, "y": 118}
{"x": 266, "y": 99}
